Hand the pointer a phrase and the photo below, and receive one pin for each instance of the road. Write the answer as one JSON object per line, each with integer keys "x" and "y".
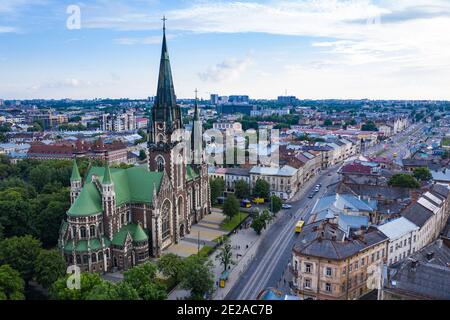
{"x": 269, "y": 266}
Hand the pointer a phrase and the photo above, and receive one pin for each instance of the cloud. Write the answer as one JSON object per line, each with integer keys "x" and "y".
{"x": 67, "y": 83}
{"x": 152, "y": 40}
{"x": 227, "y": 70}
{"x": 4, "y": 29}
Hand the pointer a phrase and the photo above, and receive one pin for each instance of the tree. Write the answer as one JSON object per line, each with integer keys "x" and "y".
{"x": 403, "y": 180}
{"x": 262, "y": 189}
{"x": 225, "y": 255}
{"x": 241, "y": 189}
{"x": 170, "y": 265}
{"x": 142, "y": 155}
{"x": 197, "y": 277}
{"x": 327, "y": 123}
{"x": 369, "y": 126}
{"x": 275, "y": 204}
{"x": 49, "y": 267}
{"x": 21, "y": 254}
{"x": 217, "y": 186}
{"x": 258, "y": 224}
{"x": 11, "y": 284}
{"x": 88, "y": 281}
{"x": 231, "y": 206}
{"x": 422, "y": 174}
{"x": 110, "y": 291}
{"x": 143, "y": 279}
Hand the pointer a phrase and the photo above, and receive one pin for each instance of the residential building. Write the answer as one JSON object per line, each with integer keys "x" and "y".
{"x": 423, "y": 276}
{"x": 118, "y": 122}
{"x": 403, "y": 236}
{"x": 330, "y": 264}
{"x": 282, "y": 180}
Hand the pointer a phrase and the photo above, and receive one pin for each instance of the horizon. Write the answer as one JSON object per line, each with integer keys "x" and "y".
{"x": 314, "y": 50}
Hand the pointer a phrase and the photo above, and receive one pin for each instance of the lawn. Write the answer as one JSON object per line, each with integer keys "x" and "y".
{"x": 445, "y": 142}
{"x": 230, "y": 225}
{"x": 205, "y": 251}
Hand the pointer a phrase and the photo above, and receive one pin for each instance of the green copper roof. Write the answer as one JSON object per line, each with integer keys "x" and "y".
{"x": 133, "y": 185}
{"x": 137, "y": 234}
{"x": 83, "y": 246}
{"x": 88, "y": 202}
{"x": 190, "y": 173}
{"x": 75, "y": 173}
{"x": 107, "y": 176}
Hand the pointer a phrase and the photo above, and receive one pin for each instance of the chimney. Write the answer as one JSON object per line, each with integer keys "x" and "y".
{"x": 430, "y": 255}
{"x": 414, "y": 264}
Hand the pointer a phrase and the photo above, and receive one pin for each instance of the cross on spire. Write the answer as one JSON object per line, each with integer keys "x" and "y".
{"x": 164, "y": 19}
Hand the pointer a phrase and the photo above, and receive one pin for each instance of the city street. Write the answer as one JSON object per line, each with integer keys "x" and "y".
{"x": 269, "y": 267}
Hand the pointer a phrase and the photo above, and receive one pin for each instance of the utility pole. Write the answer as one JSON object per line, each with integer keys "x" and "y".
{"x": 198, "y": 243}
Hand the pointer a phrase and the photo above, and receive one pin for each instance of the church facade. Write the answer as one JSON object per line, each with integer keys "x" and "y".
{"x": 121, "y": 217}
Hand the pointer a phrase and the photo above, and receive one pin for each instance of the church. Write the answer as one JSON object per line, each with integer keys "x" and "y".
{"x": 121, "y": 217}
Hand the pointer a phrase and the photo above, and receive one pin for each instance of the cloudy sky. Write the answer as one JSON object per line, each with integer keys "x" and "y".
{"x": 376, "y": 49}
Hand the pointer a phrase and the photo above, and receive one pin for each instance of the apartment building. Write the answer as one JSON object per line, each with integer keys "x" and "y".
{"x": 402, "y": 239}
{"x": 330, "y": 264}
{"x": 282, "y": 180}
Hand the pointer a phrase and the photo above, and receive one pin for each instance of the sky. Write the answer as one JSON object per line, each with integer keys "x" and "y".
{"x": 313, "y": 49}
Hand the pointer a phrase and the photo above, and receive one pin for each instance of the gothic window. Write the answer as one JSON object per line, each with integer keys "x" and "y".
{"x": 165, "y": 213}
{"x": 82, "y": 232}
{"x": 85, "y": 259}
{"x": 74, "y": 232}
{"x": 94, "y": 257}
{"x": 78, "y": 259}
{"x": 122, "y": 218}
{"x": 92, "y": 231}
{"x": 160, "y": 163}
{"x": 180, "y": 170}
{"x": 100, "y": 256}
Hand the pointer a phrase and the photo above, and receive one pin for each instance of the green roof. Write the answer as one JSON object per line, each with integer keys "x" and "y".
{"x": 75, "y": 173}
{"x": 191, "y": 174}
{"x": 133, "y": 185}
{"x": 82, "y": 245}
{"x": 137, "y": 234}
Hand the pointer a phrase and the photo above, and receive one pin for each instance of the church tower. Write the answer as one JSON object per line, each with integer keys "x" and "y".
{"x": 165, "y": 118}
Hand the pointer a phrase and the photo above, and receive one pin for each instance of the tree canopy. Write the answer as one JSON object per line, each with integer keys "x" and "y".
{"x": 11, "y": 284}
{"x": 241, "y": 189}
{"x": 262, "y": 189}
{"x": 422, "y": 174}
{"x": 231, "y": 206}
{"x": 403, "y": 180}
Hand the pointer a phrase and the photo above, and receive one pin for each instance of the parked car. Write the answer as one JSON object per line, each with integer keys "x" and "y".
{"x": 286, "y": 206}
{"x": 311, "y": 195}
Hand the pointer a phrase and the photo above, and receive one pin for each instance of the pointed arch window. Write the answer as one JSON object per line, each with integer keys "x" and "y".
{"x": 82, "y": 232}
{"x": 160, "y": 163}
{"x": 165, "y": 220}
{"x": 92, "y": 231}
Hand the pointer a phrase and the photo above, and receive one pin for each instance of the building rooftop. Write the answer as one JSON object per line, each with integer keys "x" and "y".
{"x": 326, "y": 240}
{"x": 425, "y": 275}
{"x": 397, "y": 228}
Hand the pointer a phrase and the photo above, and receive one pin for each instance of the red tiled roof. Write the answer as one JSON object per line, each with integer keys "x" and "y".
{"x": 356, "y": 168}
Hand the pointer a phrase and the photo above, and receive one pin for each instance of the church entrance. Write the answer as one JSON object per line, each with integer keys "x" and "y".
{"x": 182, "y": 231}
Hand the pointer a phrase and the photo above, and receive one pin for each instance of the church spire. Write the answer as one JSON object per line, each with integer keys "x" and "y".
{"x": 196, "y": 134}
{"x": 107, "y": 176}
{"x": 75, "y": 173}
{"x": 165, "y": 108}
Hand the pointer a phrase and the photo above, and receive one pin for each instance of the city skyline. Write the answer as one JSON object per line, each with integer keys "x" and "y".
{"x": 310, "y": 49}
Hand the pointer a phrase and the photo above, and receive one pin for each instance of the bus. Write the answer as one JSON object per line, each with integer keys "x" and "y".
{"x": 246, "y": 203}
{"x": 258, "y": 200}
{"x": 299, "y": 226}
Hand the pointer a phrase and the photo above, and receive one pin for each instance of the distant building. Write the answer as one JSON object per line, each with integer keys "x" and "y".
{"x": 239, "y": 99}
{"x": 141, "y": 123}
{"x": 282, "y": 181}
{"x": 113, "y": 153}
{"x": 235, "y": 108}
{"x": 222, "y": 126}
{"x": 214, "y": 99}
{"x": 289, "y": 100}
{"x": 118, "y": 122}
